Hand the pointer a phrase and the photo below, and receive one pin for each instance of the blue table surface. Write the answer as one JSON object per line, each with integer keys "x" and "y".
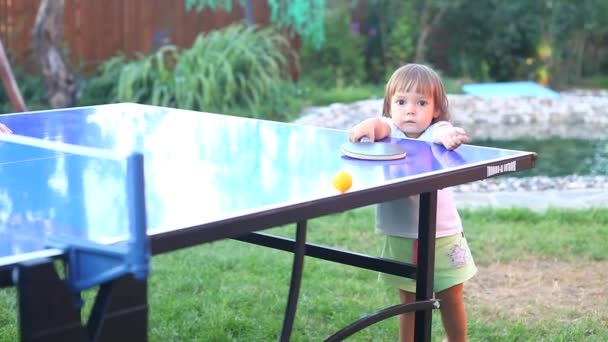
{"x": 199, "y": 168}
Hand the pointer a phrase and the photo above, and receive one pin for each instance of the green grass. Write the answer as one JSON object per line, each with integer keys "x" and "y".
{"x": 507, "y": 235}
{"x": 233, "y": 291}
{"x": 595, "y": 82}
{"x": 454, "y": 85}
{"x": 310, "y": 94}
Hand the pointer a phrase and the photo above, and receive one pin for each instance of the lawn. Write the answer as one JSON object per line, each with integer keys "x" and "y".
{"x": 541, "y": 278}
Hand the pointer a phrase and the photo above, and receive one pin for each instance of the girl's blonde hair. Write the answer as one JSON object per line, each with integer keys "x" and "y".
{"x": 420, "y": 79}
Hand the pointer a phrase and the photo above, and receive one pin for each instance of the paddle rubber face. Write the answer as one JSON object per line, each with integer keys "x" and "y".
{"x": 373, "y": 150}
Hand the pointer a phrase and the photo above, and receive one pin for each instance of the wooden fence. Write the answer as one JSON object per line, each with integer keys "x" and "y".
{"x": 95, "y": 30}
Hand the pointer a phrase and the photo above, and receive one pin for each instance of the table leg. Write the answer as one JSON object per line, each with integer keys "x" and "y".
{"x": 6, "y": 278}
{"x": 49, "y": 312}
{"x": 296, "y": 280}
{"x": 426, "y": 263}
{"x": 120, "y": 312}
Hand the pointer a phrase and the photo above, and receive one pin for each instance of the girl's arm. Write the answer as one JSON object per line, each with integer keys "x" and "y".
{"x": 449, "y": 136}
{"x": 4, "y": 129}
{"x": 373, "y": 128}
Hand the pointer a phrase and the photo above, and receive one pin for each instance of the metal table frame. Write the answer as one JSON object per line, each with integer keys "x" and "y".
{"x": 53, "y": 312}
{"x": 244, "y": 229}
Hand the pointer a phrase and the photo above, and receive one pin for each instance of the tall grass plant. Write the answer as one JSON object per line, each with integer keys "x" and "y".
{"x": 239, "y": 70}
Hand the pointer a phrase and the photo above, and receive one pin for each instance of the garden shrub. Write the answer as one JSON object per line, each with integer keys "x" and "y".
{"x": 32, "y": 92}
{"x": 391, "y": 29}
{"x": 100, "y": 88}
{"x": 240, "y": 70}
{"x": 340, "y": 61}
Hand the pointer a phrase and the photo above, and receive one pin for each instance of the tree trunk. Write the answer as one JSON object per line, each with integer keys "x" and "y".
{"x": 10, "y": 85}
{"x": 579, "y": 56}
{"x": 426, "y": 28}
{"x": 47, "y": 36}
{"x": 248, "y": 12}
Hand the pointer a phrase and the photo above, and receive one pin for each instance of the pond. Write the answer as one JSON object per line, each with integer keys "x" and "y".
{"x": 559, "y": 157}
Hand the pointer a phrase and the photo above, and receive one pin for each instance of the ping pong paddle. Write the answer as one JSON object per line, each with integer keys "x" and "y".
{"x": 368, "y": 150}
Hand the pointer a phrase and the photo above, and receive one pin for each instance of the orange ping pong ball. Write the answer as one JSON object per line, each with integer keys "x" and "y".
{"x": 342, "y": 181}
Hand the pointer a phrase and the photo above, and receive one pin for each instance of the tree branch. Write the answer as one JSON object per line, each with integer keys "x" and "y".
{"x": 47, "y": 34}
{"x": 10, "y": 85}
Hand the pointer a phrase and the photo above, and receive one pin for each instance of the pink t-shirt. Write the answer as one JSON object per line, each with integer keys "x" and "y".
{"x": 400, "y": 217}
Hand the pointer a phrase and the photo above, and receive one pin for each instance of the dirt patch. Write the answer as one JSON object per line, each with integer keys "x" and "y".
{"x": 535, "y": 289}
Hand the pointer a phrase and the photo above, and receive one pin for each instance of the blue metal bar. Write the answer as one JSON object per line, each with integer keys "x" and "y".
{"x": 138, "y": 254}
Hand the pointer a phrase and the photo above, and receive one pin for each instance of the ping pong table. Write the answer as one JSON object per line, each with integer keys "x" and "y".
{"x": 88, "y": 194}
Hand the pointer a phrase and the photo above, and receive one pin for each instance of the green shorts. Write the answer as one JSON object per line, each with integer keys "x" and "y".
{"x": 453, "y": 261}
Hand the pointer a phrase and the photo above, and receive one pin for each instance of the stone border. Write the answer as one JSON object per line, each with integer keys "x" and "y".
{"x": 575, "y": 114}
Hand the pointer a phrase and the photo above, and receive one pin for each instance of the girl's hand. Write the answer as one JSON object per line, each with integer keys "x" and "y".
{"x": 451, "y": 137}
{"x": 361, "y": 130}
{"x": 4, "y": 129}
{"x": 374, "y": 129}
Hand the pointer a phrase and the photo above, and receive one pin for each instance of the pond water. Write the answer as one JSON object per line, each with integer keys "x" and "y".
{"x": 559, "y": 157}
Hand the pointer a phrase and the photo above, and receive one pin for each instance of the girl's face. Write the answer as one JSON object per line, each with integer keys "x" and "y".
{"x": 413, "y": 113}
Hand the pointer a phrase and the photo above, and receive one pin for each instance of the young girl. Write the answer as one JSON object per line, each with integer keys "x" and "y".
{"x": 4, "y": 129}
{"x": 416, "y": 106}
